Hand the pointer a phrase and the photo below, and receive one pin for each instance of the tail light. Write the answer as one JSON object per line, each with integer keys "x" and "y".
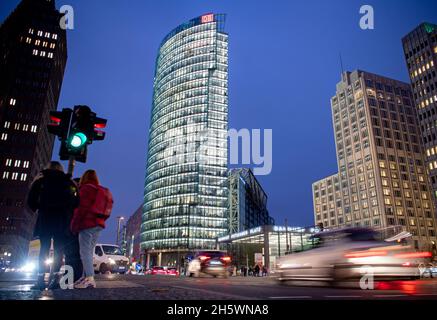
{"x": 365, "y": 254}
{"x": 406, "y": 264}
{"x": 226, "y": 259}
{"x": 410, "y": 255}
{"x": 203, "y": 258}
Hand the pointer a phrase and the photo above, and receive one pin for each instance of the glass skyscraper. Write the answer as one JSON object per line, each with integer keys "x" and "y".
{"x": 185, "y": 195}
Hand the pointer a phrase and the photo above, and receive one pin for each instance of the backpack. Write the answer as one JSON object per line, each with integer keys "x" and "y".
{"x": 103, "y": 203}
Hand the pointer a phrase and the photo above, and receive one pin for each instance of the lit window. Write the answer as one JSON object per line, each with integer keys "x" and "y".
{"x": 40, "y": 33}
{"x": 17, "y": 126}
{"x": 55, "y": 37}
{"x": 12, "y": 102}
{"x": 7, "y": 125}
{"x": 5, "y": 175}
{"x": 47, "y": 35}
{"x": 33, "y": 128}
{"x": 4, "y": 136}
{"x": 52, "y": 46}
{"x": 23, "y": 177}
{"x": 17, "y": 163}
{"x": 44, "y": 44}
{"x": 37, "y": 42}
{"x": 25, "y": 127}
{"x": 35, "y": 52}
{"x": 28, "y": 40}
{"x": 26, "y": 164}
{"x": 15, "y": 176}
{"x": 50, "y": 55}
{"x": 8, "y": 162}
{"x": 43, "y": 53}
{"x": 30, "y": 31}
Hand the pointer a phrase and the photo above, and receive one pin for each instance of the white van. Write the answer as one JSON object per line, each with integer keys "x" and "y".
{"x": 109, "y": 257}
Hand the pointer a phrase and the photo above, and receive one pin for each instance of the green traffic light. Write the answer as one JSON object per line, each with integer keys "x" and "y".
{"x": 78, "y": 140}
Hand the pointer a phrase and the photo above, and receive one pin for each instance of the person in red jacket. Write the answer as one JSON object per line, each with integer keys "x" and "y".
{"x": 88, "y": 221}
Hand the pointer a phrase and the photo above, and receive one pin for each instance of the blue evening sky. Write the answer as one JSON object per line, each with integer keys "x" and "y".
{"x": 283, "y": 68}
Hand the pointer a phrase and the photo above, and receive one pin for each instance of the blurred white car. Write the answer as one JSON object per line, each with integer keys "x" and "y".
{"x": 347, "y": 254}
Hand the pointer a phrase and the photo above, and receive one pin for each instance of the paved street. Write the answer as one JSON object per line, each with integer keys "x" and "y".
{"x": 131, "y": 287}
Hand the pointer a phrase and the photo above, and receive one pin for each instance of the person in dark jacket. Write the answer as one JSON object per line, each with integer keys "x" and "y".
{"x": 71, "y": 248}
{"x": 88, "y": 221}
{"x": 53, "y": 195}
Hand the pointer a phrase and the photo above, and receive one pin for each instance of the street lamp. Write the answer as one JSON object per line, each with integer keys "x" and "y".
{"x": 119, "y": 219}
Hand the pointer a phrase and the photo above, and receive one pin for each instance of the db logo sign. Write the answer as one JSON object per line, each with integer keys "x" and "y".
{"x": 208, "y": 18}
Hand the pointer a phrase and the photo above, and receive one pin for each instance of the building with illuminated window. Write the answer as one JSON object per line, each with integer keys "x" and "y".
{"x": 33, "y": 57}
{"x": 133, "y": 235}
{"x": 186, "y": 192}
{"x": 247, "y": 201}
{"x": 382, "y": 180}
{"x": 420, "y": 49}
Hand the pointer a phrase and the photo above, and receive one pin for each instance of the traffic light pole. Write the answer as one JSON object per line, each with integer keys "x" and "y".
{"x": 71, "y": 165}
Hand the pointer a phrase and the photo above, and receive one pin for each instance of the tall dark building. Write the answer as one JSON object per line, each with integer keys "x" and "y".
{"x": 33, "y": 53}
{"x": 420, "y": 48}
{"x": 247, "y": 202}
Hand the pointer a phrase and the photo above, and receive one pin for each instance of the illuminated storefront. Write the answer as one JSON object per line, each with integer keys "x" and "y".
{"x": 185, "y": 197}
{"x": 276, "y": 240}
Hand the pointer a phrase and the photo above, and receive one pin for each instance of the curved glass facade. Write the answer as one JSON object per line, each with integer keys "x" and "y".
{"x": 185, "y": 195}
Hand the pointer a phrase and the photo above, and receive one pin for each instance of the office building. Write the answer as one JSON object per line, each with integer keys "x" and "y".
{"x": 420, "y": 49}
{"x": 382, "y": 180}
{"x": 33, "y": 53}
{"x": 186, "y": 192}
{"x": 247, "y": 202}
{"x": 133, "y": 235}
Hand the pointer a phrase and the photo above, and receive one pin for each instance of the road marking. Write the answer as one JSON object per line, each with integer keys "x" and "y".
{"x": 217, "y": 293}
{"x": 292, "y": 297}
{"x": 343, "y": 296}
{"x": 389, "y": 295}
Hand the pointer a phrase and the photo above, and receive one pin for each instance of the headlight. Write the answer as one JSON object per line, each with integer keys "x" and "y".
{"x": 49, "y": 261}
{"x": 111, "y": 261}
{"x": 28, "y": 267}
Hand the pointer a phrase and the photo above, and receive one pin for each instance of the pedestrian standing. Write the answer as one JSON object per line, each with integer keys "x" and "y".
{"x": 88, "y": 221}
{"x": 264, "y": 274}
{"x": 53, "y": 195}
{"x": 256, "y": 271}
{"x": 71, "y": 248}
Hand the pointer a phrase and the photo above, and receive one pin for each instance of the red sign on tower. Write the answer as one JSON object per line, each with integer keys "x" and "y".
{"x": 208, "y": 18}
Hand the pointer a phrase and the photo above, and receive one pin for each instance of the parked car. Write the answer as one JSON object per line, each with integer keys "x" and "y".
{"x": 215, "y": 263}
{"x": 172, "y": 272}
{"x": 163, "y": 271}
{"x": 342, "y": 254}
{"x": 109, "y": 258}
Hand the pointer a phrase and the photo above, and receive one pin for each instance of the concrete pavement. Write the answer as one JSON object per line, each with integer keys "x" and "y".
{"x": 134, "y": 287}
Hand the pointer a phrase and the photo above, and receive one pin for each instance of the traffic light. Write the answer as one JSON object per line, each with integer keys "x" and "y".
{"x": 76, "y": 129}
{"x": 60, "y": 123}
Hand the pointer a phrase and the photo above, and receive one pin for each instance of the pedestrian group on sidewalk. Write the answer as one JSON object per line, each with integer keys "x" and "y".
{"x": 71, "y": 213}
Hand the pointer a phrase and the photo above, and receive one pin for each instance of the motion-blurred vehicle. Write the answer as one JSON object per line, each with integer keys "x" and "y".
{"x": 428, "y": 270}
{"x": 348, "y": 254}
{"x": 214, "y": 263}
{"x": 109, "y": 258}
